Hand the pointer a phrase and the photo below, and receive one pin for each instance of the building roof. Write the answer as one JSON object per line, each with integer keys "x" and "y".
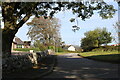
{"x": 18, "y": 40}
{"x": 75, "y": 46}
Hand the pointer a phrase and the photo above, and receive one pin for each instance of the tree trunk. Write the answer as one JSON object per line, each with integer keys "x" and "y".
{"x": 10, "y": 18}
{"x": 7, "y": 39}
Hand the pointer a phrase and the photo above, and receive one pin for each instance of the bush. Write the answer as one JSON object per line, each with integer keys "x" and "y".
{"x": 43, "y": 47}
{"x": 87, "y": 49}
{"x": 98, "y": 49}
{"x": 59, "y": 49}
{"x": 26, "y": 49}
{"x": 51, "y": 47}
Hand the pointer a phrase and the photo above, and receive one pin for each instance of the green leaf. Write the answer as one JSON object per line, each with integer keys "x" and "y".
{"x": 72, "y": 20}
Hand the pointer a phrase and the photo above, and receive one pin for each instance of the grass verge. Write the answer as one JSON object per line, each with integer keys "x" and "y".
{"x": 113, "y": 57}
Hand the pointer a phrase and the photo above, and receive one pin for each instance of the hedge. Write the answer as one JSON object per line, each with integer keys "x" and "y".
{"x": 26, "y": 49}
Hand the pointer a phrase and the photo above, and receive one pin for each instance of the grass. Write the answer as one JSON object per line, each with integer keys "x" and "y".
{"x": 113, "y": 56}
{"x": 86, "y": 54}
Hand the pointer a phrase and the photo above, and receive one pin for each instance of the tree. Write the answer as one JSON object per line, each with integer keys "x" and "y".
{"x": 96, "y": 38}
{"x": 45, "y": 30}
{"x": 15, "y": 14}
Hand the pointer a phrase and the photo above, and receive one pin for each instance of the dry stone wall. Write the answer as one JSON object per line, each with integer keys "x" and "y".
{"x": 20, "y": 62}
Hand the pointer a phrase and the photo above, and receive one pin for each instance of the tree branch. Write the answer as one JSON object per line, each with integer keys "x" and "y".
{"x": 28, "y": 15}
{"x": 23, "y": 20}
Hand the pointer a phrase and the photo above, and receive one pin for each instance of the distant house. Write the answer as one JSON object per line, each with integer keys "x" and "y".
{"x": 18, "y": 43}
{"x": 71, "y": 48}
{"x": 115, "y": 45}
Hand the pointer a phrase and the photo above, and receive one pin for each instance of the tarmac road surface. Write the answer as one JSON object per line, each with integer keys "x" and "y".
{"x": 72, "y": 66}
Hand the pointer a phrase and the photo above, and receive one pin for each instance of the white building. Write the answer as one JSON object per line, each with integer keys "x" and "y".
{"x": 71, "y": 48}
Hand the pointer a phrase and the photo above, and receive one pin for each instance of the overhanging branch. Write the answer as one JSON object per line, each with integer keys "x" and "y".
{"x": 23, "y": 20}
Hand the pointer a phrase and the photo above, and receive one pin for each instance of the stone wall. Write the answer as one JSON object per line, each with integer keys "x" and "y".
{"x": 16, "y": 63}
{"x": 19, "y": 62}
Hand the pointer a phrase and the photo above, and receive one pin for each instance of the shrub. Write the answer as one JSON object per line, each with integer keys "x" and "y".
{"x": 43, "y": 47}
{"x": 59, "y": 49}
{"x": 86, "y": 49}
{"x": 98, "y": 49}
{"x": 106, "y": 48}
{"x": 51, "y": 47}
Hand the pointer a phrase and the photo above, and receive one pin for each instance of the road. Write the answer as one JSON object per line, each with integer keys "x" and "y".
{"x": 73, "y": 66}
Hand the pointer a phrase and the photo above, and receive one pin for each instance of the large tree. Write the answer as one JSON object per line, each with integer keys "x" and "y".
{"x": 15, "y": 14}
{"x": 96, "y": 38}
{"x": 44, "y": 30}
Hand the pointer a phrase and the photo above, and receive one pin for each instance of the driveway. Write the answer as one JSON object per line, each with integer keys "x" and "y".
{"x": 72, "y": 66}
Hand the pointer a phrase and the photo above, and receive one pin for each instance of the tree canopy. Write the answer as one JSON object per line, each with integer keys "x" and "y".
{"x": 23, "y": 10}
{"x": 44, "y": 30}
{"x": 96, "y": 38}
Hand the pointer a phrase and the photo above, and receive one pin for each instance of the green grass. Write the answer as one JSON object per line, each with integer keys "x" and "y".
{"x": 27, "y": 49}
{"x": 86, "y": 54}
{"x": 113, "y": 56}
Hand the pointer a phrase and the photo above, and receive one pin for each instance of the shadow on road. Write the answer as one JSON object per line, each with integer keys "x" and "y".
{"x": 83, "y": 69}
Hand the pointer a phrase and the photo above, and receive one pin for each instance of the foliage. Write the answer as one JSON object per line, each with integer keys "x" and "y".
{"x": 88, "y": 44}
{"x": 43, "y": 47}
{"x": 59, "y": 49}
{"x": 51, "y": 47}
{"x": 105, "y": 37}
{"x": 45, "y": 30}
{"x": 81, "y": 9}
{"x": 27, "y": 49}
{"x": 40, "y": 45}
{"x": 106, "y": 48}
{"x": 95, "y": 39}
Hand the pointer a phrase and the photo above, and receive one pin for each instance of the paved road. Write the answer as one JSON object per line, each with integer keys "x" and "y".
{"x": 72, "y": 66}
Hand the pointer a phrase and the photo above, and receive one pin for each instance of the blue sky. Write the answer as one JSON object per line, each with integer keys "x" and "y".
{"x": 74, "y": 38}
